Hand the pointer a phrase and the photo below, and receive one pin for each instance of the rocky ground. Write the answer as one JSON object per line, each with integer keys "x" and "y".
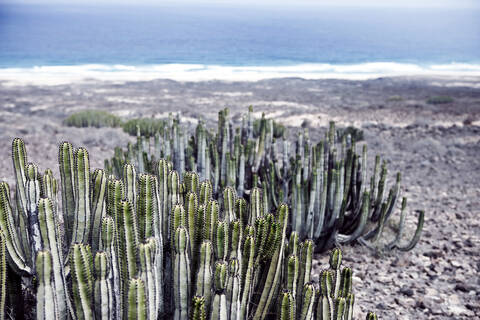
{"x": 436, "y": 147}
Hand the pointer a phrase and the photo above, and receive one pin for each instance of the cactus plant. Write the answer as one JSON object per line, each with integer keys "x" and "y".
{"x": 325, "y": 182}
{"x": 152, "y": 237}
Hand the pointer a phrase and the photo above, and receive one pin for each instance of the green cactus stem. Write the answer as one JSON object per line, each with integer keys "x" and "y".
{"x": 103, "y": 291}
{"x": 198, "y": 308}
{"x": 81, "y": 225}
{"x": 15, "y": 253}
{"x": 99, "y": 186}
{"x": 306, "y": 257}
{"x": 137, "y": 304}
{"x": 3, "y": 274}
{"x": 247, "y": 274}
{"x": 181, "y": 274}
{"x": 46, "y": 298}
{"x": 219, "y": 309}
{"x": 19, "y": 156}
{"x": 147, "y": 252}
{"x": 67, "y": 167}
{"x": 210, "y": 220}
{"x": 50, "y": 235}
{"x": 146, "y": 206}
{"x": 32, "y": 189}
{"x": 130, "y": 182}
{"x": 287, "y": 307}
{"x": 292, "y": 274}
{"x": 204, "y": 274}
{"x": 308, "y": 300}
{"x": 275, "y": 269}
{"x": 82, "y": 280}
{"x": 233, "y": 289}
{"x": 108, "y": 245}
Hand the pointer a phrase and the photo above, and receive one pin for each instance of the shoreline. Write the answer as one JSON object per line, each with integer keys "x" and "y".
{"x": 70, "y": 74}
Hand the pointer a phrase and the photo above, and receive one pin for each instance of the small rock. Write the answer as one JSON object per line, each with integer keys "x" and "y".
{"x": 464, "y": 287}
{"x": 406, "y": 291}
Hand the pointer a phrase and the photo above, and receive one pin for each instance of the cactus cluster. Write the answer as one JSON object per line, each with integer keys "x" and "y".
{"x": 334, "y": 200}
{"x": 154, "y": 246}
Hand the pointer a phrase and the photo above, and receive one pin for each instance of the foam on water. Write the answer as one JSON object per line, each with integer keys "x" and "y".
{"x": 52, "y": 75}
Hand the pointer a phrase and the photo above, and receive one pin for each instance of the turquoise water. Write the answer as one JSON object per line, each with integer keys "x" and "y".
{"x": 36, "y": 36}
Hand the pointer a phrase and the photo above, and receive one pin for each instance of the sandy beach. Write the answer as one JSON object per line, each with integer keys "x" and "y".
{"x": 435, "y": 146}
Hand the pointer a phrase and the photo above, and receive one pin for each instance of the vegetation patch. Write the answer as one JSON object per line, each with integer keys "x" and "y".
{"x": 92, "y": 118}
{"x": 148, "y": 127}
{"x": 439, "y": 100}
{"x": 394, "y": 99}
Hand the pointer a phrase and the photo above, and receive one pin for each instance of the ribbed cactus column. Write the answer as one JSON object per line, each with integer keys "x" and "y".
{"x": 221, "y": 240}
{"x": 204, "y": 275}
{"x": 127, "y": 250}
{"x": 291, "y": 275}
{"x": 108, "y": 245}
{"x": 274, "y": 272}
{"x": 82, "y": 280}
{"x": 137, "y": 305}
{"x": 99, "y": 186}
{"x": 19, "y": 218}
{"x": 229, "y": 199}
{"x": 287, "y": 306}
{"x": 256, "y": 210}
{"x": 3, "y": 274}
{"x": 210, "y": 220}
{"x": 308, "y": 301}
{"x": 148, "y": 276}
{"x": 181, "y": 274}
{"x": 241, "y": 212}
{"x": 198, "y": 308}
{"x": 50, "y": 235}
{"x": 325, "y": 303}
{"x": 173, "y": 195}
{"x": 130, "y": 182}
{"x": 46, "y": 298}
{"x": 195, "y": 226}
{"x": 336, "y": 298}
{"x": 335, "y": 263}
{"x": 66, "y": 166}
{"x": 32, "y": 190}
{"x": 146, "y": 206}
{"x": 17, "y": 257}
{"x": 81, "y": 224}
{"x": 219, "y": 305}
{"x": 233, "y": 289}
{"x": 306, "y": 255}
{"x": 158, "y": 238}
{"x": 247, "y": 275}
{"x": 103, "y": 291}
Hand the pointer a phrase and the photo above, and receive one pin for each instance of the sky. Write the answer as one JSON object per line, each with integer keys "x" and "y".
{"x": 340, "y": 3}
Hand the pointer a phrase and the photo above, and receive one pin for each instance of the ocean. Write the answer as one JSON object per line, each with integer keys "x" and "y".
{"x": 235, "y": 42}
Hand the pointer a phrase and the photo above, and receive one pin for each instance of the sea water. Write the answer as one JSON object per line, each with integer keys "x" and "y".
{"x": 198, "y": 42}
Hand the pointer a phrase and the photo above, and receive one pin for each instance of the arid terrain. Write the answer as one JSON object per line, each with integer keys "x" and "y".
{"x": 435, "y": 146}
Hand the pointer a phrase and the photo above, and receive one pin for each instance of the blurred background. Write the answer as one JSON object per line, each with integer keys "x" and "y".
{"x": 238, "y": 40}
